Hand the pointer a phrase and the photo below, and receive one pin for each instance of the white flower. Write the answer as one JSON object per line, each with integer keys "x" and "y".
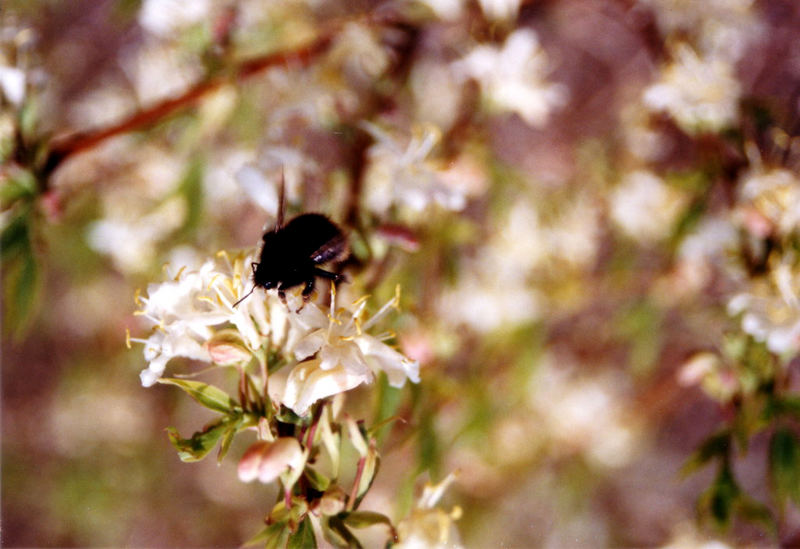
{"x": 500, "y": 9}
{"x": 722, "y": 27}
{"x": 188, "y": 310}
{"x": 163, "y": 17}
{"x": 774, "y": 196}
{"x": 131, "y": 240}
{"x": 645, "y": 207}
{"x": 359, "y": 51}
{"x": 771, "y": 309}
{"x": 345, "y": 356}
{"x": 513, "y": 78}
{"x": 445, "y": 9}
{"x": 260, "y": 180}
{"x": 700, "y": 93}
{"x": 428, "y": 526}
{"x": 12, "y": 83}
{"x": 403, "y": 174}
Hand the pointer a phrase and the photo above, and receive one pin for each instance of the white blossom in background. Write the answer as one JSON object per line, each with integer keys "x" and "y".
{"x": 770, "y": 201}
{"x": 164, "y": 17}
{"x": 359, "y": 52}
{"x": 770, "y": 308}
{"x": 588, "y": 414}
{"x": 130, "y": 240}
{"x": 401, "y": 173}
{"x": 705, "y": 248}
{"x": 159, "y": 71}
{"x": 187, "y": 312}
{"x": 500, "y": 10}
{"x": 645, "y": 207}
{"x": 260, "y": 180}
{"x": 12, "y": 84}
{"x": 445, "y": 9}
{"x": 307, "y": 94}
{"x": 701, "y": 93}
{"x": 722, "y": 28}
{"x": 427, "y": 526}
{"x": 345, "y": 355}
{"x": 514, "y": 77}
{"x": 495, "y": 286}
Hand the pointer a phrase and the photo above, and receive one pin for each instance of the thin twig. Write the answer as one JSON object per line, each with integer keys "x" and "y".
{"x": 63, "y": 148}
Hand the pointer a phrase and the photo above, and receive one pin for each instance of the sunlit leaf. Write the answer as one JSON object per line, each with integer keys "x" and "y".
{"x": 365, "y": 519}
{"x": 207, "y": 395}
{"x": 784, "y": 465}
{"x": 201, "y": 443}
{"x": 303, "y": 537}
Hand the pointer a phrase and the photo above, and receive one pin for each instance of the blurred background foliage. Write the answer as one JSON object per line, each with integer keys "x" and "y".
{"x": 593, "y": 220}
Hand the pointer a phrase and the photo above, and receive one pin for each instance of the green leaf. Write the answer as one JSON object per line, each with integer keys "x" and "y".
{"x": 207, "y": 395}
{"x": 337, "y": 534}
{"x": 227, "y": 439}
{"x": 15, "y": 238}
{"x": 303, "y": 537}
{"x": 21, "y": 287}
{"x": 721, "y": 497}
{"x": 201, "y": 443}
{"x": 365, "y": 519}
{"x": 715, "y": 446}
{"x": 273, "y": 536}
{"x": 757, "y": 513}
{"x": 787, "y": 405}
{"x": 784, "y": 465}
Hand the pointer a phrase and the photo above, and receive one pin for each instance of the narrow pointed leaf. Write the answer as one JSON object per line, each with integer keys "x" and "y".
{"x": 303, "y": 537}
{"x": 207, "y": 395}
{"x": 365, "y": 519}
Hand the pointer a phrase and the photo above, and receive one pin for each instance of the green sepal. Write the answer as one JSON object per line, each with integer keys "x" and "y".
{"x": 205, "y": 394}
{"x": 303, "y": 537}
{"x": 371, "y": 464}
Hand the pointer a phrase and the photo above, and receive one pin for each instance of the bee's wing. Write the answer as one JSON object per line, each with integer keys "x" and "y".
{"x": 329, "y": 251}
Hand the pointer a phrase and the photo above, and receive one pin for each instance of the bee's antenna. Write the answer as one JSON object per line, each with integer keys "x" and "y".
{"x": 244, "y": 297}
{"x": 281, "y": 200}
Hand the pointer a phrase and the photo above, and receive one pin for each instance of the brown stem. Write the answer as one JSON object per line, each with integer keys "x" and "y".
{"x": 63, "y": 148}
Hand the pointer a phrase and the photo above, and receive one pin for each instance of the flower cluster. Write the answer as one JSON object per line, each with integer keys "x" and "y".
{"x": 195, "y": 317}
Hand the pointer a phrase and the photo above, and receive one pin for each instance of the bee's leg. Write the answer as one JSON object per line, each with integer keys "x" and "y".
{"x": 336, "y": 278}
{"x": 282, "y": 295}
{"x": 308, "y": 289}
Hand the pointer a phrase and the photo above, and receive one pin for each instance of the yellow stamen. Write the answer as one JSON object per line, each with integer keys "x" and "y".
{"x": 179, "y": 273}
{"x": 137, "y": 296}
{"x": 127, "y": 338}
